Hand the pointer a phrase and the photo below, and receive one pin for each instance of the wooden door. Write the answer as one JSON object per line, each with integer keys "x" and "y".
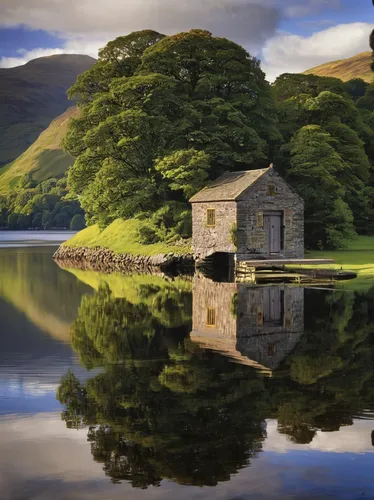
{"x": 273, "y": 231}
{"x": 273, "y": 306}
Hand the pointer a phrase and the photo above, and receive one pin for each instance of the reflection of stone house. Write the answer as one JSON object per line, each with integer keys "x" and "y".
{"x": 250, "y": 214}
{"x": 258, "y": 326}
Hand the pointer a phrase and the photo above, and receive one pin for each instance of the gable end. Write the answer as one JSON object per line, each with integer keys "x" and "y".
{"x": 271, "y": 174}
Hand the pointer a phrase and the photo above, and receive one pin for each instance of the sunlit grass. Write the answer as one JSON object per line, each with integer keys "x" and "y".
{"x": 44, "y": 158}
{"x": 357, "y": 66}
{"x": 121, "y": 237}
{"x": 358, "y": 257}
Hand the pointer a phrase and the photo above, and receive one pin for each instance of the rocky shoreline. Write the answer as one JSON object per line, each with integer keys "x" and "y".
{"x": 105, "y": 260}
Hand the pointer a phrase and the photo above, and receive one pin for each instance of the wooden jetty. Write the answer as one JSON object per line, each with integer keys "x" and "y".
{"x": 266, "y": 271}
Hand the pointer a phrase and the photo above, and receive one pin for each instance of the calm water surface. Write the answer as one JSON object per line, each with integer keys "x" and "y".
{"x": 140, "y": 387}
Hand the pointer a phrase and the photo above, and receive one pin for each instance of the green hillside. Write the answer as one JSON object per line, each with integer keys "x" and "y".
{"x": 346, "y": 69}
{"x": 44, "y": 159}
{"x": 31, "y": 96}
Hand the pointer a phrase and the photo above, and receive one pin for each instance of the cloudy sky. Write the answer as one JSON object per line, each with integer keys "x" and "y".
{"x": 287, "y": 35}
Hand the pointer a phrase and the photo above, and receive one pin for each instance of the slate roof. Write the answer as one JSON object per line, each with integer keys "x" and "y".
{"x": 229, "y": 186}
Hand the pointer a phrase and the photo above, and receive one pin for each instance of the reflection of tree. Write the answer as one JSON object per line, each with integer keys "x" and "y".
{"x": 160, "y": 408}
{"x": 321, "y": 386}
{"x": 163, "y": 408}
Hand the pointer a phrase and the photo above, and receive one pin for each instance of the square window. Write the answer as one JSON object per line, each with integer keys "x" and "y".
{"x": 210, "y": 317}
{"x": 271, "y": 191}
{"x": 211, "y": 217}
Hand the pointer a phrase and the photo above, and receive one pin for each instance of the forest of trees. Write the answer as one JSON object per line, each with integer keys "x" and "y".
{"x": 161, "y": 407}
{"x": 161, "y": 115}
{"x": 40, "y": 205}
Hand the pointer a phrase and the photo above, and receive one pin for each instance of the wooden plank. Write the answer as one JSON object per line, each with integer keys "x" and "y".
{"x": 284, "y": 262}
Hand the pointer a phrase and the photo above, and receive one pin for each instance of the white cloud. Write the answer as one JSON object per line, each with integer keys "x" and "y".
{"x": 355, "y": 438}
{"x": 288, "y": 53}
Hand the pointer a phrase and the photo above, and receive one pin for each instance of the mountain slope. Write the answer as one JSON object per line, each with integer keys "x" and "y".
{"x": 31, "y": 96}
{"x": 44, "y": 158}
{"x": 346, "y": 69}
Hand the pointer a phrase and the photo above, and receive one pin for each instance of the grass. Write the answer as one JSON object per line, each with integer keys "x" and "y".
{"x": 357, "y": 66}
{"x": 358, "y": 257}
{"x": 44, "y": 159}
{"x": 121, "y": 237}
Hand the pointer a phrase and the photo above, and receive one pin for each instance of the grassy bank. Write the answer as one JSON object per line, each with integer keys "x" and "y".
{"x": 359, "y": 257}
{"x": 121, "y": 237}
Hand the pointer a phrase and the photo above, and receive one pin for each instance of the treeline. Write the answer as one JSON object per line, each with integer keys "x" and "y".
{"x": 161, "y": 116}
{"x": 43, "y": 205}
{"x": 327, "y": 153}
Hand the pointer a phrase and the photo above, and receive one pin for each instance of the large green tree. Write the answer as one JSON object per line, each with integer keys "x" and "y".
{"x": 315, "y": 168}
{"x": 184, "y": 109}
{"x": 308, "y": 100}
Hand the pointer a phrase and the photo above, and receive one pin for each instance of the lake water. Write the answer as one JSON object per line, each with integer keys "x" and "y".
{"x": 146, "y": 387}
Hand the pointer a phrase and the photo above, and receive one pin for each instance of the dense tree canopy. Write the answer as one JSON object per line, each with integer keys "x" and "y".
{"x": 328, "y": 109}
{"x": 162, "y": 115}
{"x": 185, "y": 109}
{"x": 40, "y": 205}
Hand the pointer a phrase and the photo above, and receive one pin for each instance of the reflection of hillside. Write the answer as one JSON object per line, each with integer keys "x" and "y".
{"x": 48, "y": 296}
{"x": 257, "y": 326}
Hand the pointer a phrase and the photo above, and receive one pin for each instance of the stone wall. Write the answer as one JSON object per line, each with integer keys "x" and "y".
{"x": 269, "y": 344}
{"x": 106, "y": 261}
{"x": 251, "y": 206}
{"x": 219, "y": 296}
{"x": 207, "y": 240}
{"x": 241, "y": 330}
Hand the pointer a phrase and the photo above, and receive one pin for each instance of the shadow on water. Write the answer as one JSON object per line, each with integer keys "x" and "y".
{"x": 193, "y": 370}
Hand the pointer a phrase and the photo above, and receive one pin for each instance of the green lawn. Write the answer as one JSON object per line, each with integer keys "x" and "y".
{"x": 121, "y": 237}
{"x": 359, "y": 257}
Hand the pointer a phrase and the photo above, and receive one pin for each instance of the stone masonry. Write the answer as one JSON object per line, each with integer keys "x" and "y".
{"x": 261, "y": 324}
{"x": 242, "y": 201}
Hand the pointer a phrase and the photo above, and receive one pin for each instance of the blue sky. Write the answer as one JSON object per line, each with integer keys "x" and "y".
{"x": 288, "y": 35}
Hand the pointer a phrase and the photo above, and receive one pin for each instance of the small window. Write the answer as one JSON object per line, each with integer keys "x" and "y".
{"x": 260, "y": 219}
{"x": 271, "y": 349}
{"x": 271, "y": 191}
{"x": 211, "y": 217}
{"x": 210, "y": 317}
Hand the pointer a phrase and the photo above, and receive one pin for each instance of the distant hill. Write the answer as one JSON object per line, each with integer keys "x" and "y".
{"x": 44, "y": 158}
{"x": 346, "y": 69}
{"x": 31, "y": 96}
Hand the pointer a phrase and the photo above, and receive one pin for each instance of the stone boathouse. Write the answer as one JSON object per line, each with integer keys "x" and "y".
{"x": 250, "y": 214}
